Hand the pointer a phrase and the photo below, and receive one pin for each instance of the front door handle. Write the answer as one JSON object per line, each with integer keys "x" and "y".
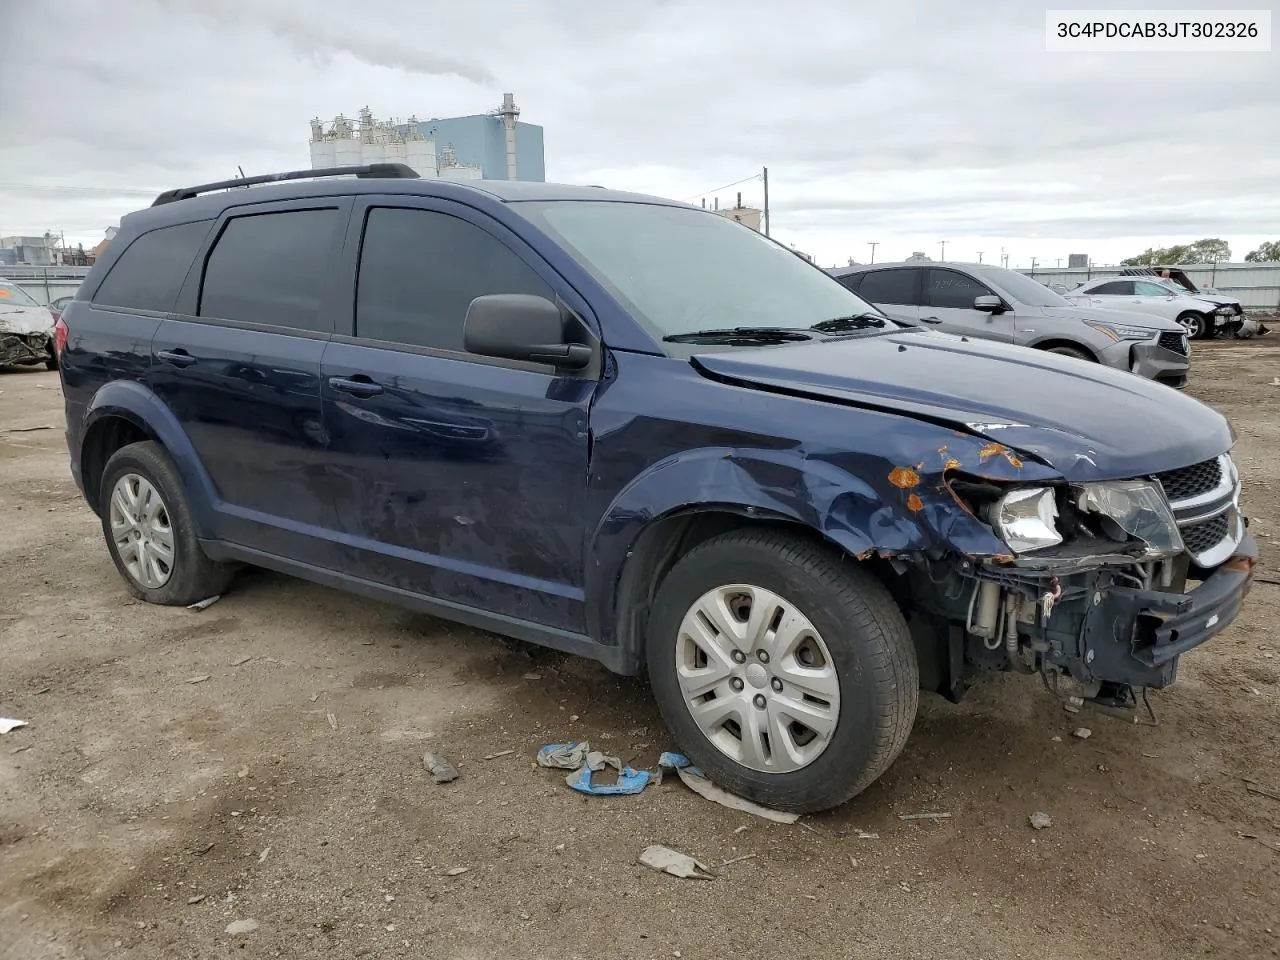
{"x": 930, "y": 319}
{"x": 177, "y": 356}
{"x": 357, "y": 388}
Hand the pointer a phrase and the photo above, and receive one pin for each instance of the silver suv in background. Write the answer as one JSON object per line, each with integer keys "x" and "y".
{"x": 972, "y": 299}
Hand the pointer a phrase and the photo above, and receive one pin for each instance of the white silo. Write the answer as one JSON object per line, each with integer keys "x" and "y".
{"x": 421, "y": 155}
{"x": 321, "y": 154}
{"x": 346, "y": 153}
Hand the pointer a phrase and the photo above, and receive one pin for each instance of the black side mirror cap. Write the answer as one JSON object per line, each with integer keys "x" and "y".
{"x": 519, "y": 326}
{"x": 988, "y": 304}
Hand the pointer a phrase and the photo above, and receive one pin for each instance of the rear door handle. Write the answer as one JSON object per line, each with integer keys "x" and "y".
{"x": 357, "y": 388}
{"x": 178, "y": 357}
{"x": 930, "y": 319}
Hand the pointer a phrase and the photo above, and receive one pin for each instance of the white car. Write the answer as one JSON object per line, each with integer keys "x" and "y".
{"x": 1202, "y": 317}
{"x": 26, "y": 329}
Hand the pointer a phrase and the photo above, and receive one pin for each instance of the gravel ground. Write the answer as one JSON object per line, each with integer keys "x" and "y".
{"x": 262, "y": 761}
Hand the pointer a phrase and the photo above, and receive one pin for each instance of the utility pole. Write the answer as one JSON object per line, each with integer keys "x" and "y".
{"x": 1058, "y": 261}
{"x": 979, "y": 256}
{"x": 943, "y": 244}
{"x": 764, "y": 175}
{"x": 1004, "y": 258}
{"x": 1033, "y": 266}
{"x": 873, "y": 249}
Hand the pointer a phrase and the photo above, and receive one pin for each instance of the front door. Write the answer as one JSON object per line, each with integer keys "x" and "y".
{"x": 239, "y": 367}
{"x": 455, "y": 476}
{"x": 948, "y": 305}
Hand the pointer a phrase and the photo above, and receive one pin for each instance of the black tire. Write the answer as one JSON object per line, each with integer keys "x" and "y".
{"x": 193, "y": 576}
{"x": 1065, "y": 351}
{"x": 1196, "y": 324}
{"x": 864, "y": 631}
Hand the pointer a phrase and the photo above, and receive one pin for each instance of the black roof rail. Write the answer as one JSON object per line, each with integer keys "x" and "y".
{"x": 386, "y": 171}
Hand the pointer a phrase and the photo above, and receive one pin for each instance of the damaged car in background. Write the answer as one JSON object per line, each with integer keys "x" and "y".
{"x": 713, "y": 464}
{"x": 26, "y": 329}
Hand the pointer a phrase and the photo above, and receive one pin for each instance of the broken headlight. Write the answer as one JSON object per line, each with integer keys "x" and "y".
{"x": 1026, "y": 519}
{"x": 1132, "y": 510}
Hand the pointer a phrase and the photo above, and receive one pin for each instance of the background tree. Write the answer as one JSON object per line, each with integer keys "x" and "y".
{"x": 1266, "y": 253}
{"x": 1208, "y": 250}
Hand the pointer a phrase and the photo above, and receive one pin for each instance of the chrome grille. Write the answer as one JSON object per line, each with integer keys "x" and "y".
{"x": 1204, "y": 536}
{"x": 1177, "y": 342}
{"x": 1205, "y": 498}
{"x": 1187, "y": 482}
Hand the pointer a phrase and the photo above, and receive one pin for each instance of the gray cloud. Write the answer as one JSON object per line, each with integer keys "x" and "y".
{"x": 903, "y": 123}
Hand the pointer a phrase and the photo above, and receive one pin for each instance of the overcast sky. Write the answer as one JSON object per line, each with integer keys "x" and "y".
{"x": 905, "y": 123}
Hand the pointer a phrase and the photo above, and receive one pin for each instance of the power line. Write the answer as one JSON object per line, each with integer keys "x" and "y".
{"x": 703, "y": 193}
{"x": 68, "y": 188}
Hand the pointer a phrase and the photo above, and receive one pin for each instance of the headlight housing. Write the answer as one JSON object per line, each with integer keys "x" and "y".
{"x": 1138, "y": 509}
{"x": 1026, "y": 519}
{"x": 1225, "y": 311}
{"x": 1121, "y": 331}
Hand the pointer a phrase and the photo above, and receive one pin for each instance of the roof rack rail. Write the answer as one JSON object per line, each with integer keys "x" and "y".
{"x": 387, "y": 171}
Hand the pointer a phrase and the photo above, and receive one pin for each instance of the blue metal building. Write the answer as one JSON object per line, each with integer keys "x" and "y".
{"x": 481, "y": 139}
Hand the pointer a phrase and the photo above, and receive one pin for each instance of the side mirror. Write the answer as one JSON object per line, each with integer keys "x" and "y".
{"x": 518, "y": 326}
{"x": 988, "y": 304}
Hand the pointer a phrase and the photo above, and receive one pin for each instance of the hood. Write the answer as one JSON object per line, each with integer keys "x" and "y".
{"x": 25, "y": 320}
{"x": 1085, "y": 420}
{"x": 1132, "y": 318}
{"x": 1216, "y": 299}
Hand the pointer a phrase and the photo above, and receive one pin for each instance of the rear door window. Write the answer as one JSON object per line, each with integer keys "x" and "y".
{"x": 420, "y": 270}
{"x": 1115, "y": 288}
{"x": 952, "y": 289}
{"x": 270, "y": 269}
{"x": 890, "y": 286}
{"x": 151, "y": 270}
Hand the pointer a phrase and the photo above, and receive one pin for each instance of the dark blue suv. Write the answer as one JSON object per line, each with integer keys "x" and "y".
{"x": 637, "y": 431}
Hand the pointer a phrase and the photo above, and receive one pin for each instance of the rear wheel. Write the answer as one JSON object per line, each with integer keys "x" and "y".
{"x": 785, "y": 671}
{"x": 1197, "y": 324}
{"x": 1065, "y": 351}
{"x": 149, "y": 530}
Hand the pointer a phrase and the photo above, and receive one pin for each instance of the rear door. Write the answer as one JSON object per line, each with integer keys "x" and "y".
{"x": 456, "y": 476}
{"x": 895, "y": 290}
{"x": 948, "y": 305}
{"x": 239, "y": 366}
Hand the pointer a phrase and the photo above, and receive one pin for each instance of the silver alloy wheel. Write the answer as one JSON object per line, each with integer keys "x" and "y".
{"x": 1193, "y": 324}
{"x": 757, "y": 678}
{"x": 141, "y": 531}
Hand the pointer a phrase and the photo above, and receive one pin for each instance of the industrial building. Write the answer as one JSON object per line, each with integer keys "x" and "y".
{"x": 491, "y": 146}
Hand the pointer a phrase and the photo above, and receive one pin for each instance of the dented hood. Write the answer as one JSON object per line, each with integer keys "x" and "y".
{"x": 1085, "y": 420}
{"x": 25, "y": 320}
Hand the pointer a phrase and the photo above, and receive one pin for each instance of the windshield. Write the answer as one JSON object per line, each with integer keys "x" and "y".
{"x": 1022, "y": 288}
{"x": 680, "y": 269}
{"x": 14, "y": 296}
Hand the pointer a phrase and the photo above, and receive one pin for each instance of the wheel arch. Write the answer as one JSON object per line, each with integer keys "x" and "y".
{"x": 1051, "y": 342}
{"x": 124, "y": 412}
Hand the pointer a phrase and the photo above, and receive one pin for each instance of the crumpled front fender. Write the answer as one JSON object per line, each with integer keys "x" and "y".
{"x": 866, "y": 505}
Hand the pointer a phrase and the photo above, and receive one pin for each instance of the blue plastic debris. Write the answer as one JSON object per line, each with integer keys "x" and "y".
{"x": 585, "y": 762}
{"x": 630, "y": 781}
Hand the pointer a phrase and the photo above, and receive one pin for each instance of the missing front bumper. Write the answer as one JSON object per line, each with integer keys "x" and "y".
{"x": 1135, "y": 637}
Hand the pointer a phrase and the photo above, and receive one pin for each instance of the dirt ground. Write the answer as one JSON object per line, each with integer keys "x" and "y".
{"x": 262, "y": 760}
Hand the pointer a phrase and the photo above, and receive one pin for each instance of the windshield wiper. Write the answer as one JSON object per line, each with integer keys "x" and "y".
{"x": 753, "y": 335}
{"x": 857, "y": 321}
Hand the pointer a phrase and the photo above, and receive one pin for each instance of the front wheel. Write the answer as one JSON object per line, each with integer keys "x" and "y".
{"x": 784, "y": 670}
{"x": 149, "y": 530}
{"x": 1197, "y": 324}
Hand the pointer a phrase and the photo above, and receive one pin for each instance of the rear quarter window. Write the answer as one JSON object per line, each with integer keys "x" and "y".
{"x": 150, "y": 272}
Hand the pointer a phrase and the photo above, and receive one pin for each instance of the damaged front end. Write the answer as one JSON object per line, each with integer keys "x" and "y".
{"x": 24, "y": 349}
{"x": 1092, "y": 593}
